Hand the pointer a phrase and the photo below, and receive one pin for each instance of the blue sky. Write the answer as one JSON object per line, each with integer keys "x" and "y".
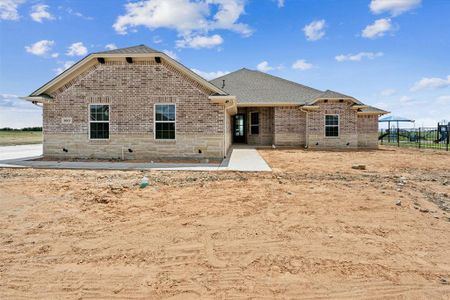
{"x": 394, "y": 54}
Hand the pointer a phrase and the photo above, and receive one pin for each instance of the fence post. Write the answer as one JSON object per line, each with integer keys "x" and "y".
{"x": 398, "y": 137}
{"x": 419, "y": 137}
{"x": 382, "y": 137}
{"x": 448, "y": 136}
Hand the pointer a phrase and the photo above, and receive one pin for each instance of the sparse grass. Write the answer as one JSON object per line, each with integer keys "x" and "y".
{"x": 10, "y": 138}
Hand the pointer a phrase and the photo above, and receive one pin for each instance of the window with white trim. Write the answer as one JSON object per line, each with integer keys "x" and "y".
{"x": 254, "y": 123}
{"x": 331, "y": 125}
{"x": 99, "y": 121}
{"x": 165, "y": 118}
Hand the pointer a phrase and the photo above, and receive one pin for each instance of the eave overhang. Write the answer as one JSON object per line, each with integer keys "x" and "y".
{"x": 38, "y": 99}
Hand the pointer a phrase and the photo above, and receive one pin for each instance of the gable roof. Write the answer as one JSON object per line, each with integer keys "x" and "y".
{"x": 255, "y": 87}
{"x": 140, "y": 51}
{"x": 329, "y": 94}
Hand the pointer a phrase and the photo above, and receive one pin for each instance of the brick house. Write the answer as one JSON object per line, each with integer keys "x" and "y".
{"x": 138, "y": 103}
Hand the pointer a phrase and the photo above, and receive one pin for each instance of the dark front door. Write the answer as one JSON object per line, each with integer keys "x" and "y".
{"x": 239, "y": 128}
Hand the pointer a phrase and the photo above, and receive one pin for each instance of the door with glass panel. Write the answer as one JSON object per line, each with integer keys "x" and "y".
{"x": 239, "y": 128}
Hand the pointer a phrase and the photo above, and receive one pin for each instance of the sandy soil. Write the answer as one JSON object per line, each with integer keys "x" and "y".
{"x": 313, "y": 229}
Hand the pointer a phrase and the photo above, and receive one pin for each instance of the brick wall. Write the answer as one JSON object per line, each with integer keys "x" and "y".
{"x": 368, "y": 131}
{"x": 289, "y": 126}
{"x": 132, "y": 90}
{"x": 347, "y": 126}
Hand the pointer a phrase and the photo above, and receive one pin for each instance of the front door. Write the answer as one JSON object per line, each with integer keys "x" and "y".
{"x": 239, "y": 128}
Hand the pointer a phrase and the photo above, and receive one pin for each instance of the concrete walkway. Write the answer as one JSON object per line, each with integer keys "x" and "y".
{"x": 245, "y": 160}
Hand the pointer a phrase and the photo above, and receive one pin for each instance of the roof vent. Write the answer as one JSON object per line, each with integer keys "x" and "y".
{"x": 101, "y": 60}
{"x": 158, "y": 59}
{"x": 129, "y": 60}
{"x": 223, "y": 83}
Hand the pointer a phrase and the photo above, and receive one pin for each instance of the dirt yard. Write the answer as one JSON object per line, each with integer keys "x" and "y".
{"x": 314, "y": 228}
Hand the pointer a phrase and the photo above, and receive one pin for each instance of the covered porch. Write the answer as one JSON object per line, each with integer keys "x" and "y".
{"x": 253, "y": 126}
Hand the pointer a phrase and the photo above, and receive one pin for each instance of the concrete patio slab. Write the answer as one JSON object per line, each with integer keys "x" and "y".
{"x": 245, "y": 160}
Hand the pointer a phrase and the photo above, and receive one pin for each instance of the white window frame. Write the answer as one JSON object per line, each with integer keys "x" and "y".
{"x": 325, "y": 126}
{"x": 90, "y": 121}
{"x": 251, "y": 125}
{"x": 154, "y": 121}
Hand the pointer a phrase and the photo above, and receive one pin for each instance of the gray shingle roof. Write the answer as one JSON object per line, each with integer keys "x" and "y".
{"x": 139, "y": 49}
{"x": 372, "y": 109}
{"x": 257, "y": 87}
{"x": 329, "y": 94}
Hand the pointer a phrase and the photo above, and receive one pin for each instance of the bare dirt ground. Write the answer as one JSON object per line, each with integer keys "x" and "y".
{"x": 313, "y": 229}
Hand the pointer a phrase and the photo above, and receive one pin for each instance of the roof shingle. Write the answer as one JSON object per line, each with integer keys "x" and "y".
{"x": 257, "y": 87}
{"x": 139, "y": 49}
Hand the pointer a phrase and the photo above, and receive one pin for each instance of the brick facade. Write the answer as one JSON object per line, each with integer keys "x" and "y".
{"x": 289, "y": 126}
{"x": 368, "y": 131}
{"x": 203, "y": 129}
{"x": 131, "y": 90}
{"x": 315, "y": 131}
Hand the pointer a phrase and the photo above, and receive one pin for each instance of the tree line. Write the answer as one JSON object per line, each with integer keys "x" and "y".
{"x": 22, "y": 129}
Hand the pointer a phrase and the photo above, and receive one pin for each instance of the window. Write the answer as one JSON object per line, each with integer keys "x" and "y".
{"x": 165, "y": 117}
{"x": 332, "y": 125}
{"x": 254, "y": 123}
{"x": 98, "y": 122}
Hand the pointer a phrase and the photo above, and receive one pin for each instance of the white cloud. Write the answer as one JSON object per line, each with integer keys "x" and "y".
{"x": 264, "y": 67}
{"x": 171, "y": 54}
{"x": 111, "y": 46}
{"x": 388, "y": 92}
{"x": 8, "y": 100}
{"x": 444, "y": 99}
{"x": 210, "y": 75}
{"x": 191, "y": 19}
{"x": 40, "y": 12}
{"x": 315, "y": 30}
{"x": 76, "y": 49}
{"x": 280, "y": 3}
{"x": 358, "y": 57}
{"x": 72, "y": 12}
{"x": 405, "y": 99}
{"x": 199, "y": 41}
{"x": 40, "y": 48}
{"x": 431, "y": 83}
{"x": 157, "y": 40}
{"x": 377, "y": 29}
{"x": 8, "y": 9}
{"x": 55, "y": 55}
{"x": 394, "y": 7}
{"x": 12, "y": 107}
{"x": 64, "y": 67}
{"x": 301, "y": 64}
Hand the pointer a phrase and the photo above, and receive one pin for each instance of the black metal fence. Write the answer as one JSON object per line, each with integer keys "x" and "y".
{"x": 423, "y": 137}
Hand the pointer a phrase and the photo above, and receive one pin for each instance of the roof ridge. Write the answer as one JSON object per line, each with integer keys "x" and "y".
{"x": 227, "y": 74}
{"x": 118, "y": 50}
{"x": 272, "y": 76}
